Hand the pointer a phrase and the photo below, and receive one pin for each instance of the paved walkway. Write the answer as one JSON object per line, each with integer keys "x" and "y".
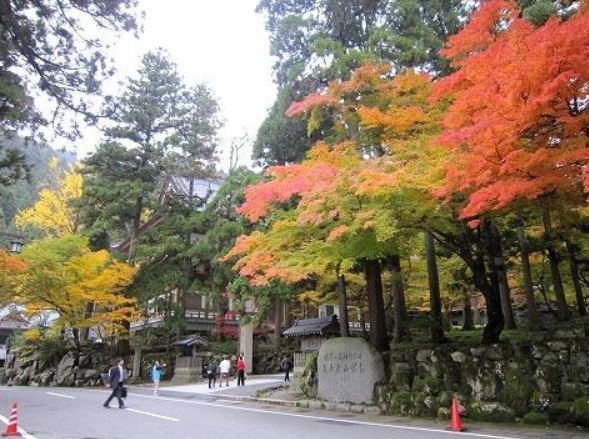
{"x": 252, "y": 385}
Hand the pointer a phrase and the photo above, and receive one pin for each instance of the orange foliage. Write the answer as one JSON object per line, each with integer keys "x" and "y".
{"x": 519, "y": 118}
{"x": 312, "y": 176}
{"x": 482, "y": 31}
{"x": 11, "y": 264}
{"x": 312, "y": 101}
{"x": 368, "y": 77}
{"x": 332, "y": 194}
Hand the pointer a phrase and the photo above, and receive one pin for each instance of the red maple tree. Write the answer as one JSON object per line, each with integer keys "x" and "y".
{"x": 518, "y": 120}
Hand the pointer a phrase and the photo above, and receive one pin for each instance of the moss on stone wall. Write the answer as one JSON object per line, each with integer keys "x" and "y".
{"x": 529, "y": 377}
{"x": 535, "y": 418}
{"x": 517, "y": 390}
{"x": 580, "y": 410}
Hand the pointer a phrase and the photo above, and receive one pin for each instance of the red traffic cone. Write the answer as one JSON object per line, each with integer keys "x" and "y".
{"x": 12, "y": 427}
{"x": 455, "y": 422}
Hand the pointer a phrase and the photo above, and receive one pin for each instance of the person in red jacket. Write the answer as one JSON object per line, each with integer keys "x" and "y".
{"x": 240, "y": 371}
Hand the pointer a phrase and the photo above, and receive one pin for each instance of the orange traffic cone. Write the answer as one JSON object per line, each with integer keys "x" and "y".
{"x": 455, "y": 422}
{"x": 12, "y": 427}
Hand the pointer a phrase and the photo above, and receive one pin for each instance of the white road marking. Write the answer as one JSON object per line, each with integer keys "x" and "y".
{"x": 155, "y": 415}
{"x": 20, "y": 430}
{"x": 59, "y": 394}
{"x": 325, "y": 418}
{"x": 229, "y": 401}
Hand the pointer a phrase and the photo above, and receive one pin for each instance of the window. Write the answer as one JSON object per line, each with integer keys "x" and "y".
{"x": 193, "y": 302}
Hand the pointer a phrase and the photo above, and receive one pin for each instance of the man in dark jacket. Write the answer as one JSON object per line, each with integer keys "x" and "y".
{"x": 212, "y": 372}
{"x": 116, "y": 378}
{"x": 286, "y": 367}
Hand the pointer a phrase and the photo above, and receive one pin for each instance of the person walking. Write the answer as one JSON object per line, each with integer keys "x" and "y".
{"x": 212, "y": 372}
{"x": 286, "y": 367}
{"x": 240, "y": 371}
{"x": 157, "y": 371}
{"x": 116, "y": 378}
{"x": 225, "y": 367}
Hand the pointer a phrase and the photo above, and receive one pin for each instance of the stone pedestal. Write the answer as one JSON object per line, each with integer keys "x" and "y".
{"x": 246, "y": 345}
{"x": 187, "y": 370}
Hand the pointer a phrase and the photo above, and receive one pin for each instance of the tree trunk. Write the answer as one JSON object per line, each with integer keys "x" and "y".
{"x": 497, "y": 265}
{"x": 343, "y": 306}
{"x": 504, "y": 293}
{"x": 77, "y": 350}
{"x": 181, "y": 308}
{"x": 580, "y": 299}
{"x": 563, "y": 313}
{"x": 378, "y": 330}
{"x": 435, "y": 300}
{"x": 277, "y": 323}
{"x": 123, "y": 346}
{"x": 88, "y": 311}
{"x": 399, "y": 308}
{"x": 362, "y": 315}
{"x": 402, "y": 301}
{"x": 446, "y": 316}
{"x": 134, "y": 231}
{"x": 468, "y": 314}
{"x": 168, "y": 321}
{"x": 363, "y": 323}
{"x": 533, "y": 318}
{"x": 288, "y": 314}
{"x": 490, "y": 291}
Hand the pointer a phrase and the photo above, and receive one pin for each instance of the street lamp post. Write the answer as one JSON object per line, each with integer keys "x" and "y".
{"x": 16, "y": 242}
{"x": 16, "y": 245}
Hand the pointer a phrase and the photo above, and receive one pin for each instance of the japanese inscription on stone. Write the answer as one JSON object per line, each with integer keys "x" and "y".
{"x": 348, "y": 369}
{"x": 342, "y": 363}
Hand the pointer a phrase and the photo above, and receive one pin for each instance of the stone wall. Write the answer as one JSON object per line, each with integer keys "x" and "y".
{"x": 536, "y": 381}
{"x": 26, "y": 367}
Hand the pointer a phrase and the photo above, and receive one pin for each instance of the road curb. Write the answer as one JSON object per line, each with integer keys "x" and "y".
{"x": 312, "y": 404}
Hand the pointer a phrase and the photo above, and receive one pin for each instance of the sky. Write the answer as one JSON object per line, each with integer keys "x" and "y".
{"x": 222, "y": 43}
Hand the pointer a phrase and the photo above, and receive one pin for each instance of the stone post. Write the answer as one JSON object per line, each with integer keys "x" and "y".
{"x": 246, "y": 345}
{"x": 137, "y": 364}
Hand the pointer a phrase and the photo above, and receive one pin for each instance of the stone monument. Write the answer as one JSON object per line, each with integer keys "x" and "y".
{"x": 348, "y": 369}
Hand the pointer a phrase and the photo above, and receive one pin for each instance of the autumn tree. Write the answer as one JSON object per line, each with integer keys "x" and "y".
{"x": 62, "y": 276}
{"x": 54, "y": 212}
{"x": 340, "y": 214}
{"x": 518, "y": 122}
{"x": 408, "y": 167}
{"x": 10, "y": 267}
{"x": 327, "y": 233}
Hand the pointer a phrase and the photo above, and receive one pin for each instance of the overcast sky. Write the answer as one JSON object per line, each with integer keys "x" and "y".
{"x": 221, "y": 42}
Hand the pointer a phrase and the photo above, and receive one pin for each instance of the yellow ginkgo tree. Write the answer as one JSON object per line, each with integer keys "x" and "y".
{"x": 53, "y": 212}
{"x": 80, "y": 287}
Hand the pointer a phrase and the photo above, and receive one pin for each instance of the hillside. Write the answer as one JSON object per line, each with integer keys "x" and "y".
{"x": 24, "y": 193}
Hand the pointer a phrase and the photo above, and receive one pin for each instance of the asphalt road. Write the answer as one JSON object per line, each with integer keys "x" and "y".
{"x": 66, "y": 413}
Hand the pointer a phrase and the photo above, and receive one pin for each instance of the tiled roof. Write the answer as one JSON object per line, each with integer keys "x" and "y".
{"x": 318, "y": 326}
{"x": 191, "y": 341}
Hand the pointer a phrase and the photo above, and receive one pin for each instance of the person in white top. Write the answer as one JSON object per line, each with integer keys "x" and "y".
{"x": 225, "y": 366}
